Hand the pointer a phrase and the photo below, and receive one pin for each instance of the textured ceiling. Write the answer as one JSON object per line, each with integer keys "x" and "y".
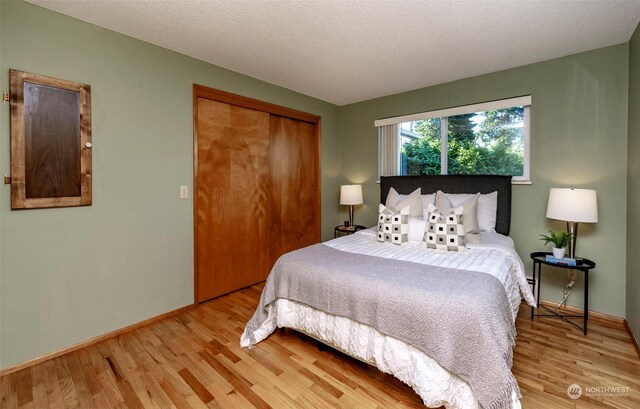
{"x": 353, "y": 50}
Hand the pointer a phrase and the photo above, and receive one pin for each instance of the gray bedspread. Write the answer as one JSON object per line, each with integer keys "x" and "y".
{"x": 462, "y": 319}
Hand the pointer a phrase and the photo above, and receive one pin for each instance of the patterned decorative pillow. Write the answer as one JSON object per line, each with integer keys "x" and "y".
{"x": 393, "y": 227}
{"x": 445, "y": 232}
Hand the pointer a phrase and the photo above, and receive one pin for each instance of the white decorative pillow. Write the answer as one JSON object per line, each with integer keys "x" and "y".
{"x": 393, "y": 227}
{"x": 396, "y": 201}
{"x": 487, "y": 208}
{"x": 488, "y": 211}
{"x": 470, "y": 214}
{"x": 393, "y": 197}
{"x": 428, "y": 199}
{"x": 417, "y": 228}
{"x": 445, "y": 232}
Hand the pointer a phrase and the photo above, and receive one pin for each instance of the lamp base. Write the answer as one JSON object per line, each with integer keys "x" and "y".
{"x": 350, "y": 215}
{"x": 572, "y": 228}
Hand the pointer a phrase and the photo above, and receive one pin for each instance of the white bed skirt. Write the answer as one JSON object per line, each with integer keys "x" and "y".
{"x": 434, "y": 384}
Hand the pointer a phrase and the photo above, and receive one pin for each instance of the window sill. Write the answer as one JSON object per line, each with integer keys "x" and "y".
{"x": 513, "y": 182}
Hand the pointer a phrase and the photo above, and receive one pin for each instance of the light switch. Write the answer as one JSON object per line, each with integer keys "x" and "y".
{"x": 184, "y": 192}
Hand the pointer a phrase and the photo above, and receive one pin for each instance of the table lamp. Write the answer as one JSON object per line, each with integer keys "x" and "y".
{"x": 351, "y": 195}
{"x": 573, "y": 206}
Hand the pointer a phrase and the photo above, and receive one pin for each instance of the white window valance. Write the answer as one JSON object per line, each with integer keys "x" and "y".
{"x": 466, "y": 109}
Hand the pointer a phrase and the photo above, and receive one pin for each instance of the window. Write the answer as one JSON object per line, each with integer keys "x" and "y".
{"x": 489, "y": 138}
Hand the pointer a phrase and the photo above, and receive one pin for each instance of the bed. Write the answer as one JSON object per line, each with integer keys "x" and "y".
{"x": 442, "y": 322}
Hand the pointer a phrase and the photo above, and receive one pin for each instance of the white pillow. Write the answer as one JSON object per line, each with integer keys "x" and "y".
{"x": 487, "y": 208}
{"x": 496, "y": 238}
{"x": 395, "y": 202}
{"x": 417, "y": 228}
{"x": 394, "y": 197}
{"x": 428, "y": 199}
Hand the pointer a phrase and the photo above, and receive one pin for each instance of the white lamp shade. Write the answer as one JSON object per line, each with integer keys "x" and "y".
{"x": 351, "y": 195}
{"x": 573, "y": 205}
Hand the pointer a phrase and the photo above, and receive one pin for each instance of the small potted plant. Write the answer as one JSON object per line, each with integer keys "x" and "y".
{"x": 559, "y": 239}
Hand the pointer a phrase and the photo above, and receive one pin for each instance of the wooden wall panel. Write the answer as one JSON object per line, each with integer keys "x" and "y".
{"x": 52, "y": 141}
{"x": 294, "y": 178}
{"x": 233, "y": 206}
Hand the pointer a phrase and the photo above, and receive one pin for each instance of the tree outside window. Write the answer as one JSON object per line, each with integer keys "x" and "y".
{"x": 488, "y": 142}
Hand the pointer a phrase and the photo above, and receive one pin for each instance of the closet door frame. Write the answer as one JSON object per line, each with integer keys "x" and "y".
{"x": 200, "y": 91}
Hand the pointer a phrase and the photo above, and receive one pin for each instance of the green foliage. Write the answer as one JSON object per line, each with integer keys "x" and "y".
{"x": 559, "y": 239}
{"x": 423, "y": 155}
{"x": 495, "y": 146}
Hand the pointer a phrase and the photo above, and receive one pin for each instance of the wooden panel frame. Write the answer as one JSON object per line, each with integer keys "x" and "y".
{"x": 19, "y": 200}
{"x": 201, "y": 91}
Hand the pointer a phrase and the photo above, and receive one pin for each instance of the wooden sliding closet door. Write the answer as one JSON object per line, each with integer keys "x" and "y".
{"x": 232, "y": 195}
{"x": 256, "y": 188}
{"x": 295, "y": 211}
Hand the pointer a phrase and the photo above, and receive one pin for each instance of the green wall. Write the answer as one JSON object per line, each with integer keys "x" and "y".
{"x": 71, "y": 274}
{"x": 633, "y": 187}
{"x": 578, "y": 138}
{"x": 67, "y": 275}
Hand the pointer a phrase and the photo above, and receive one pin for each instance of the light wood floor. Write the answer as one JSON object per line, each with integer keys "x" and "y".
{"x": 193, "y": 360}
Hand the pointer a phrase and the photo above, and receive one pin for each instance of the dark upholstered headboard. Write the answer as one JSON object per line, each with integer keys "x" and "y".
{"x": 456, "y": 184}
